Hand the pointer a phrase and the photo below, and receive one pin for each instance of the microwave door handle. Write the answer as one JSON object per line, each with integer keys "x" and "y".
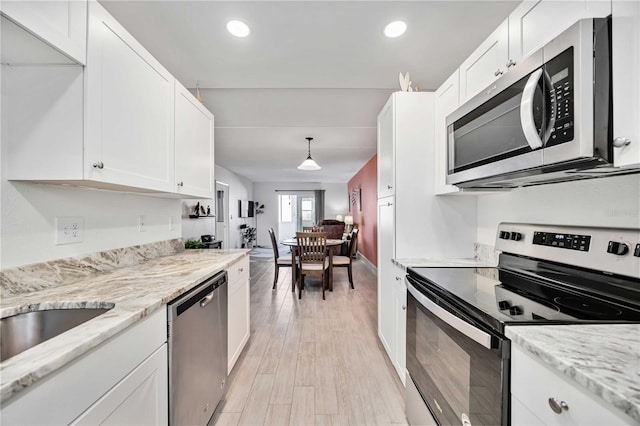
{"x": 526, "y": 111}
{"x": 462, "y": 326}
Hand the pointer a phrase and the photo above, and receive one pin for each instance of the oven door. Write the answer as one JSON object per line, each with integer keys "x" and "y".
{"x": 460, "y": 370}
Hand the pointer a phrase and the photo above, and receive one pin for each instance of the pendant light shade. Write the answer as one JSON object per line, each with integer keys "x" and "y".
{"x": 309, "y": 164}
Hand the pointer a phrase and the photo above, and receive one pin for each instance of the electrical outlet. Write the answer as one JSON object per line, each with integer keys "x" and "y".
{"x": 141, "y": 224}
{"x": 69, "y": 230}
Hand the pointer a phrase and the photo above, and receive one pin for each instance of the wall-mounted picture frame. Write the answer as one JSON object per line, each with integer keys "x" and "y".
{"x": 356, "y": 200}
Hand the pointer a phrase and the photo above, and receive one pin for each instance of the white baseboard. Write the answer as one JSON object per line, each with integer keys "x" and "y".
{"x": 368, "y": 264}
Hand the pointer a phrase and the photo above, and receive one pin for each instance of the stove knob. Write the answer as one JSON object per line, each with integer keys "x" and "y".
{"x": 505, "y": 235}
{"x": 515, "y": 310}
{"x": 617, "y": 248}
{"x": 636, "y": 252}
{"x": 516, "y": 236}
{"x": 504, "y": 305}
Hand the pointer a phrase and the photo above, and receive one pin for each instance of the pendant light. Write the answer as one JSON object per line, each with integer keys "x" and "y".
{"x": 309, "y": 164}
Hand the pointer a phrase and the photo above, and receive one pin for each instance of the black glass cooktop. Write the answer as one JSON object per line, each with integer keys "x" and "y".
{"x": 532, "y": 293}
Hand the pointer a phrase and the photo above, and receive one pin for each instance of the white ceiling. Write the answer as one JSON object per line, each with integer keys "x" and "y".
{"x": 309, "y": 68}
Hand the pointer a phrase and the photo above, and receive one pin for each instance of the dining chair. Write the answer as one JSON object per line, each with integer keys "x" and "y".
{"x": 312, "y": 258}
{"x": 347, "y": 261}
{"x": 280, "y": 262}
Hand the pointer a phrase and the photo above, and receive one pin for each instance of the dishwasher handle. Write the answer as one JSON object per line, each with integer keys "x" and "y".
{"x": 208, "y": 298}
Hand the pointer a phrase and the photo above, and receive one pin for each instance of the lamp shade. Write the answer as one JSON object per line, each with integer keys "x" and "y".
{"x": 309, "y": 164}
{"x": 339, "y": 217}
{"x": 348, "y": 219}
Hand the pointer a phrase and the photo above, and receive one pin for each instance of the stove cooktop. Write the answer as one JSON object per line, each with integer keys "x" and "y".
{"x": 499, "y": 296}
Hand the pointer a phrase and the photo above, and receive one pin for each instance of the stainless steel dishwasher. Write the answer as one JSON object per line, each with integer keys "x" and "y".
{"x": 197, "y": 351}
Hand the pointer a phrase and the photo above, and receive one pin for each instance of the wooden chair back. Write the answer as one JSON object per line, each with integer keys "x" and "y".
{"x": 353, "y": 243}
{"x": 274, "y": 244}
{"x": 312, "y": 247}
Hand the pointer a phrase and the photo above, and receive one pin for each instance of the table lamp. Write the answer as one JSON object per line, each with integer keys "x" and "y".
{"x": 348, "y": 220}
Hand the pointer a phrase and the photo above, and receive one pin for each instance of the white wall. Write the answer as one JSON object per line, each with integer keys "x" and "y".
{"x": 611, "y": 202}
{"x": 110, "y": 218}
{"x": 335, "y": 202}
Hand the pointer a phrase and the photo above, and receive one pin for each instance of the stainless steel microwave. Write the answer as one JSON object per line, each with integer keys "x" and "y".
{"x": 548, "y": 119}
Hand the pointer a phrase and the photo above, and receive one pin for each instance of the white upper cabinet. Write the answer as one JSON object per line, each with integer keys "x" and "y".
{"x": 486, "y": 64}
{"x": 626, "y": 83}
{"x": 194, "y": 145}
{"x": 534, "y": 23}
{"x": 447, "y": 100}
{"x": 61, "y": 24}
{"x": 386, "y": 156}
{"x": 130, "y": 109}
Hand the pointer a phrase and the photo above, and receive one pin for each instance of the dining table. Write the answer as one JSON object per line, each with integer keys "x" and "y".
{"x": 293, "y": 243}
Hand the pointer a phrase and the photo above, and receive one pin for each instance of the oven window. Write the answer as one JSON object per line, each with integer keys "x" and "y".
{"x": 455, "y": 375}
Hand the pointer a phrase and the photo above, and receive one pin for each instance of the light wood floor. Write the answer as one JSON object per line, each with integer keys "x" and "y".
{"x": 311, "y": 361}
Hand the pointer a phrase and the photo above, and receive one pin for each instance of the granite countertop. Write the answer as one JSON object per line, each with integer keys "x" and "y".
{"x": 604, "y": 359}
{"x": 136, "y": 291}
{"x": 442, "y": 263}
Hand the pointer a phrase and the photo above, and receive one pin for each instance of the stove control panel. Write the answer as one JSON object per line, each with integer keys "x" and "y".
{"x": 610, "y": 250}
{"x": 566, "y": 241}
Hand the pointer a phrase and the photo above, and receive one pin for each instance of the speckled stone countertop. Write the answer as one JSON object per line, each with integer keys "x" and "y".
{"x": 604, "y": 359}
{"x": 136, "y": 290}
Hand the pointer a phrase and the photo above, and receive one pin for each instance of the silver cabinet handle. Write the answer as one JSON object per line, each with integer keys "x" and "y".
{"x": 180, "y": 183}
{"x": 389, "y": 186}
{"x": 205, "y": 300}
{"x": 398, "y": 278}
{"x": 498, "y": 72}
{"x": 98, "y": 165}
{"x": 621, "y": 141}
{"x": 510, "y": 63}
{"x": 404, "y": 307}
{"x": 240, "y": 269}
{"x": 557, "y": 407}
{"x": 389, "y": 204}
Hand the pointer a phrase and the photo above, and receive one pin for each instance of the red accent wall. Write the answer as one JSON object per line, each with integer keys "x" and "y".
{"x": 367, "y": 218}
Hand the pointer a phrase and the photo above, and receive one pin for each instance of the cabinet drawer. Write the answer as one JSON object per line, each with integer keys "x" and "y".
{"x": 237, "y": 271}
{"x": 533, "y": 383}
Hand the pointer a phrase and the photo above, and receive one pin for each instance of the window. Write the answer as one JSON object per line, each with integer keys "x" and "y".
{"x": 287, "y": 204}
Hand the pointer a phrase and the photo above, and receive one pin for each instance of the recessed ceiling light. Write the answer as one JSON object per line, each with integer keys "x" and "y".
{"x": 395, "y": 29}
{"x": 238, "y": 28}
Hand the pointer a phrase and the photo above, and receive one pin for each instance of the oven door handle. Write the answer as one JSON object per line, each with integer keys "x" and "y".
{"x": 526, "y": 111}
{"x": 462, "y": 326}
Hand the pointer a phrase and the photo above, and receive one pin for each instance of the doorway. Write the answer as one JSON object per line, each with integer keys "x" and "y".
{"x": 222, "y": 214}
{"x": 295, "y": 211}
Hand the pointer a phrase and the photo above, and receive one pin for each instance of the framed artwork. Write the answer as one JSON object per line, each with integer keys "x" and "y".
{"x": 356, "y": 199}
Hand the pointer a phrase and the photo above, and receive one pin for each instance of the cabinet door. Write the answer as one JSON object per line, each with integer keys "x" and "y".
{"x": 386, "y": 281}
{"x": 194, "y": 145}
{"x": 447, "y": 100}
{"x": 60, "y": 23}
{"x": 238, "y": 310}
{"x": 130, "y": 113}
{"x": 534, "y": 23}
{"x": 141, "y": 398}
{"x": 401, "y": 323}
{"x": 386, "y": 154}
{"x": 485, "y": 64}
{"x": 626, "y": 83}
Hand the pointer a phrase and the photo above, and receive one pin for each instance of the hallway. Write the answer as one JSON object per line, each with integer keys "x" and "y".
{"x": 312, "y": 362}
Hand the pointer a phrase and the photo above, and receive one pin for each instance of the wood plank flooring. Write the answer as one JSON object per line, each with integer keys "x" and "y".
{"x": 312, "y": 362}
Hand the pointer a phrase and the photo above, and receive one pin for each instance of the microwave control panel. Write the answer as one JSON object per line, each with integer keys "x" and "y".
{"x": 560, "y": 71}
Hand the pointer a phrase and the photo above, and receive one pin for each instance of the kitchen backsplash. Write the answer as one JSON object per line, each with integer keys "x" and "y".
{"x": 37, "y": 276}
{"x": 485, "y": 253}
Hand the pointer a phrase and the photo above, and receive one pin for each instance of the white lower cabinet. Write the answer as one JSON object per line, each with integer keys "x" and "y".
{"x": 238, "y": 310}
{"x": 122, "y": 381}
{"x": 400, "y": 297}
{"x": 535, "y": 387}
{"x": 139, "y": 399}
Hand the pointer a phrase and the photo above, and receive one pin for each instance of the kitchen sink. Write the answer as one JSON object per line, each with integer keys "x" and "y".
{"x": 26, "y": 330}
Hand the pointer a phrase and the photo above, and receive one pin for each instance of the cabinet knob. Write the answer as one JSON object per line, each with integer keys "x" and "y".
{"x": 398, "y": 278}
{"x": 389, "y": 204}
{"x": 620, "y": 142}
{"x": 180, "y": 183}
{"x": 98, "y": 165}
{"x": 510, "y": 63}
{"x": 389, "y": 186}
{"x": 240, "y": 269}
{"x": 557, "y": 407}
{"x": 404, "y": 307}
{"x": 498, "y": 72}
